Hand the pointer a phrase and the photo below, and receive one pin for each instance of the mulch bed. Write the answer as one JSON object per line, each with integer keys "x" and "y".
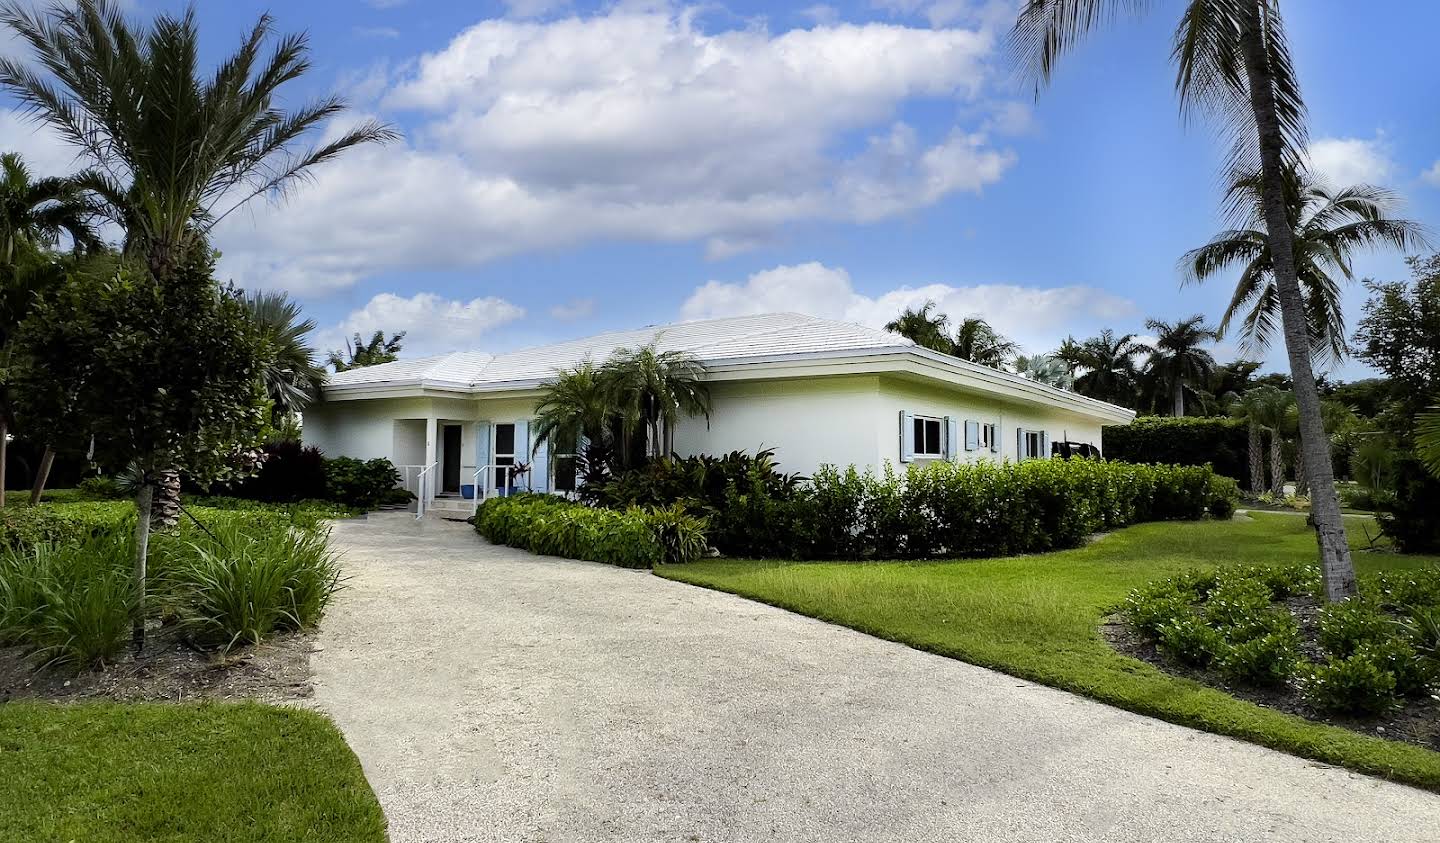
{"x": 1418, "y": 722}
{"x": 170, "y": 670}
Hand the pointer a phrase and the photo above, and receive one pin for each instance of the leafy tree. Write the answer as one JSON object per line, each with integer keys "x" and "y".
{"x": 29, "y": 273}
{"x": 1234, "y": 66}
{"x": 1177, "y": 361}
{"x": 1399, "y": 334}
{"x": 924, "y": 327}
{"x": 979, "y": 343}
{"x": 1104, "y": 366}
{"x": 649, "y": 389}
{"x": 1330, "y": 225}
{"x": 360, "y": 353}
{"x": 291, "y": 376}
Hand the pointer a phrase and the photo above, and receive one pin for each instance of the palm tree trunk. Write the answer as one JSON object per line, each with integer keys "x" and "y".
{"x": 1337, "y": 570}
{"x": 1179, "y": 399}
{"x": 1277, "y": 464}
{"x": 1257, "y": 460}
{"x": 42, "y": 475}
{"x": 1302, "y": 480}
{"x": 165, "y": 512}
{"x": 143, "y": 500}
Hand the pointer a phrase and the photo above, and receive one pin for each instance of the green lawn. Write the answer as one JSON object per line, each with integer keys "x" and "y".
{"x": 212, "y": 772}
{"x": 1036, "y": 617}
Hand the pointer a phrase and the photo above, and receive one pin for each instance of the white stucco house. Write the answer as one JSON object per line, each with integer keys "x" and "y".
{"x": 815, "y": 390}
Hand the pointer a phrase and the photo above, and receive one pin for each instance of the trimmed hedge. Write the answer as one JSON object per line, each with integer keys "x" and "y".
{"x": 629, "y": 538}
{"x": 1222, "y": 443}
{"x": 27, "y": 526}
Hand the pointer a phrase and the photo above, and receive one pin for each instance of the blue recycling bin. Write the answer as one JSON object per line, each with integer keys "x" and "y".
{"x": 467, "y": 491}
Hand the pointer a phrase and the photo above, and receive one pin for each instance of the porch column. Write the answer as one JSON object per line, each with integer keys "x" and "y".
{"x": 432, "y": 430}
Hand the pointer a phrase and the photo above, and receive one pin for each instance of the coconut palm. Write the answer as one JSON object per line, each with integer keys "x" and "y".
{"x": 1044, "y": 368}
{"x": 1234, "y": 66}
{"x": 650, "y": 389}
{"x": 1251, "y": 407}
{"x": 1177, "y": 362}
{"x": 1330, "y": 226}
{"x": 35, "y": 212}
{"x": 1427, "y": 440}
{"x": 171, "y": 152}
{"x": 292, "y": 377}
{"x": 1269, "y": 409}
{"x": 1104, "y": 366}
{"x": 979, "y": 343}
{"x": 924, "y": 327}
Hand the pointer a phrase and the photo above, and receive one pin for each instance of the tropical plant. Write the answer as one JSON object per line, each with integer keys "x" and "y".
{"x": 1104, "y": 366}
{"x": 360, "y": 352}
{"x": 1044, "y": 368}
{"x": 171, "y": 153}
{"x": 979, "y": 343}
{"x": 291, "y": 376}
{"x": 1427, "y": 440}
{"x": 574, "y": 408}
{"x": 1330, "y": 225}
{"x": 35, "y": 212}
{"x": 924, "y": 327}
{"x": 1177, "y": 362}
{"x": 1234, "y": 66}
{"x": 1251, "y": 407}
{"x": 649, "y": 390}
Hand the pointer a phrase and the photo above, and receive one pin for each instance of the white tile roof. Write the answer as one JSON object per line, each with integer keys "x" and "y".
{"x": 736, "y": 338}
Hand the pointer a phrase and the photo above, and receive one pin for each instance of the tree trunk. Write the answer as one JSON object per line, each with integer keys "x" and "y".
{"x": 1277, "y": 465}
{"x": 1257, "y": 460}
{"x": 1179, "y": 399}
{"x": 1302, "y": 480}
{"x": 143, "y": 500}
{"x": 1337, "y": 570}
{"x": 165, "y": 513}
{"x": 42, "y": 475}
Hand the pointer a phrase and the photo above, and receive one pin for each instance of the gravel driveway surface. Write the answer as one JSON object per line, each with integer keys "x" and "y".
{"x": 495, "y": 695}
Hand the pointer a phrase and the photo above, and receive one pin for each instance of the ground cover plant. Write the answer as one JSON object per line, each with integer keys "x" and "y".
{"x": 1038, "y": 617}
{"x": 120, "y": 772}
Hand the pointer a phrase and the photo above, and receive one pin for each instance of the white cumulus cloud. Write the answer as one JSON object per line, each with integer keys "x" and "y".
{"x": 1432, "y": 175}
{"x": 432, "y": 324}
{"x": 1038, "y": 318}
{"x": 1346, "y": 161}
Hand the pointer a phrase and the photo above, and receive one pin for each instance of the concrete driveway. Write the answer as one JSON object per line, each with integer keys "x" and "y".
{"x": 495, "y": 695}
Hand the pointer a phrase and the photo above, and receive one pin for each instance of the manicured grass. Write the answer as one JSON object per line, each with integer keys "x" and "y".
{"x": 213, "y": 772}
{"x": 1036, "y": 617}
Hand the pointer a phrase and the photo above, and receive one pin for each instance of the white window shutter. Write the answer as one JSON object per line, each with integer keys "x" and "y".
{"x": 972, "y": 435}
{"x": 482, "y": 457}
{"x": 952, "y": 438}
{"x": 907, "y": 436}
{"x": 1019, "y": 444}
{"x": 540, "y": 467}
{"x": 1044, "y": 445}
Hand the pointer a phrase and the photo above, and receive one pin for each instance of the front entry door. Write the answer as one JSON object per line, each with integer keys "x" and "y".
{"x": 450, "y": 465}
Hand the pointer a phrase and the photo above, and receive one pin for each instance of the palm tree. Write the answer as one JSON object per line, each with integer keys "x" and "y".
{"x": 977, "y": 342}
{"x": 924, "y": 328}
{"x": 1330, "y": 225}
{"x": 1104, "y": 366}
{"x": 36, "y": 212}
{"x": 292, "y": 377}
{"x": 1427, "y": 440}
{"x": 574, "y": 408}
{"x": 1177, "y": 361}
{"x": 361, "y": 353}
{"x": 1234, "y": 65}
{"x": 649, "y": 389}
{"x": 1044, "y": 368}
{"x": 1251, "y": 408}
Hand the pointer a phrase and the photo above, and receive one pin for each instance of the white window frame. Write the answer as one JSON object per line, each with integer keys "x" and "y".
{"x": 988, "y": 437}
{"x": 1036, "y": 436}
{"x": 918, "y": 445}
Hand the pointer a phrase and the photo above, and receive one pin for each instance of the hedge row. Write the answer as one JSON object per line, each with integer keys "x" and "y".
{"x": 630, "y": 538}
{"x": 72, "y": 523}
{"x": 1222, "y": 443}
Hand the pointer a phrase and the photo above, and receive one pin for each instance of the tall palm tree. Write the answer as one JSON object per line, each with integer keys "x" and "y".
{"x": 37, "y": 211}
{"x": 1044, "y": 368}
{"x": 1177, "y": 361}
{"x": 1427, "y": 440}
{"x": 650, "y": 389}
{"x": 359, "y": 352}
{"x": 924, "y": 327}
{"x": 1252, "y": 408}
{"x": 1330, "y": 226}
{"x": 1104, "y": 366}
{"x": 1234, "y": 66}
{"x": 979, "y": 343}
{"x": 291, "y": 375}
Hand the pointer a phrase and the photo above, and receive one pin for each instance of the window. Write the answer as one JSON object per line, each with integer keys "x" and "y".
{"x": 504, "y": 454}
{"x": 988, "y": 440}
{"x": 929, "y": 437}
{"x": 1032, "y": 444}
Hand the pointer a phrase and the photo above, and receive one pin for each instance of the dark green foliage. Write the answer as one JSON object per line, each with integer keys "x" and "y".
{"x": 1191, "y": 640}
{"x": 1413, "y": 521}
{"x": 28, "y": 526}
{"x": 1219, "y": 442}
{"x": 101, "y": 488}
{"x": 364, "y": 484}
{"x": 289, "y": 472}
{"x": 1358, "y": 684}
{"x": 69, "y": 603}
{"x": 630, "y": 538}
{"x": 1344, "y": 627}
{"x": 1267, "y": 660}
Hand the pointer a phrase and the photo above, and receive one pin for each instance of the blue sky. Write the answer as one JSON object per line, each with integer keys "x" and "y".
{"x": 569, "y": 168}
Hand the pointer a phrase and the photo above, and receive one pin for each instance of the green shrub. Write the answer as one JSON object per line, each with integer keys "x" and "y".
{"x": 1191, "y": 640}
{"x": 101, "y": 488}
{"x": 1370, "y": 500}
{"x": 1403, "y": 590}
{"x": 1413, "y": 521}
{"x": 28, "y": 526}
{"x": 237, "y": 584}
{"x": 1345, "y": 626}
{"x": 1150, "y": 610}
{"x": 1267, "y": 660}
{"x": 1220, "y": 442}
{"x": 288, "y": 472}
{"x": 71, "y": 603}
{"x": 1358, "y": 684}
{"x": 363, "y": 484}
{"x": 1224, "y": 494}
{"x": 629, "y": 538}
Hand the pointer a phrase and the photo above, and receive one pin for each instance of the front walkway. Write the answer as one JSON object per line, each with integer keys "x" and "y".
{"x": 495, "y": 695}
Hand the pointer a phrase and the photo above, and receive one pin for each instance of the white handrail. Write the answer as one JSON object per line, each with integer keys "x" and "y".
{"x": 421, "y": 489}
{"x": 482, "y": 491}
